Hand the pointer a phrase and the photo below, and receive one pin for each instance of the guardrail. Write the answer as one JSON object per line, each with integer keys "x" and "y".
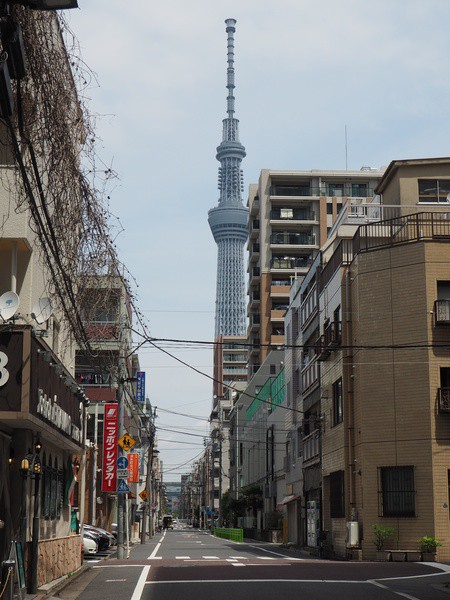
{"x": 227, "y": 533}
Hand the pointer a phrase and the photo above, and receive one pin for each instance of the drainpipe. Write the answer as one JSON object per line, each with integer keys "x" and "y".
{"x": 14, "y": 267}
{"x": 350, "y": 408}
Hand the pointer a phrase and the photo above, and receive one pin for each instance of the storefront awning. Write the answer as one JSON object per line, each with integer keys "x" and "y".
{"x": 286, "y": 500}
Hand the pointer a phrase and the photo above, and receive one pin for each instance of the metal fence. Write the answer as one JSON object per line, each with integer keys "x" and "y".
{"x": 227, "y": 533}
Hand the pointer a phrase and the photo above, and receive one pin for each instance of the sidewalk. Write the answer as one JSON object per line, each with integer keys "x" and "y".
{"x": 138, "y": 551}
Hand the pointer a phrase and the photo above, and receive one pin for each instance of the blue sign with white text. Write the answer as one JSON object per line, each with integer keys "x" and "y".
{"x": 140, "y": 387}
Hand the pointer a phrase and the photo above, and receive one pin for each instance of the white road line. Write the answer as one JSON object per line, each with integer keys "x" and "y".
{"x": 115, "y": 566}
{"x": 231, "y": 560}
{"x": 180, "y": 557}
{"x": 210, "y": 557}
{"x": 269, "y": 551}
{"x": 238, "y": 564}
{"x": 385, "y": 587}
{"x": 278, "y": 564}
{"x": 185, "y": 581}
{"x": 140, "y": 584}
{"x": 154, "y": 558}
{"x": 155, "y": 550}
{"x": 266, "y": 558}
{"x": 111, "y": 580}
{"x": 240, "y": 557}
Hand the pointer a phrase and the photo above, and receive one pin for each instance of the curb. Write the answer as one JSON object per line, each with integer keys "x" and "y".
{"x": 60, "y": 583}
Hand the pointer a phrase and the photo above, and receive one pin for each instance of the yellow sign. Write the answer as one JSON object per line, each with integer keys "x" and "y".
{"x": 144, "y": 495}
{"x": 126, "y": 442}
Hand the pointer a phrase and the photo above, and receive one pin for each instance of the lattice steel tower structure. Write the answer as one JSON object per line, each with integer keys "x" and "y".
{"x": 228, "y": 221}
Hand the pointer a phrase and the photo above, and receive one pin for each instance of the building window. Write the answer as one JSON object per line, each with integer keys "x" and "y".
{"x": 434, "y": 190}
{"x": 329, "y": 208}
{"x": 336, "y": 189}
{"x": 273, "y": 369}
{"x": 286, "y": 213}
{"x": 359, "y": 189}
{"x": 338, "y": 406}
{"x": 396, "y": 491}
{"x": 337, "y": 504}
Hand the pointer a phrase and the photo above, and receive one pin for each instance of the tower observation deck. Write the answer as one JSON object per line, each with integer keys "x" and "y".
{"x": 228, "y": 221}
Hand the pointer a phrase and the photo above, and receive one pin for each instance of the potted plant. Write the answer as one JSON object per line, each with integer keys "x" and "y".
{"x": 428, "y": 546}
{"x": 381, "y": 535}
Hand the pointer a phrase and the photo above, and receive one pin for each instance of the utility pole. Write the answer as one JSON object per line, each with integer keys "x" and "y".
{"x": 220, "y": 463}
{"x": 148, "y": 482}
{"x": 120, "y": 497}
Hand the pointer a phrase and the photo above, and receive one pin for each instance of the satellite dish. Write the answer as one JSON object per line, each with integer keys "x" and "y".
{"x": 42, "y": 310}
{"x": 9, "y": 304}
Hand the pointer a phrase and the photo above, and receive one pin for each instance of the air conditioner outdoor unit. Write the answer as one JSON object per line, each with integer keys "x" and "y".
{"x": 352, "y": 534}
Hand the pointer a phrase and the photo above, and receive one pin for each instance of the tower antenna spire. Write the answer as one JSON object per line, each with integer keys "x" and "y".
{"x": 231, "y": 28}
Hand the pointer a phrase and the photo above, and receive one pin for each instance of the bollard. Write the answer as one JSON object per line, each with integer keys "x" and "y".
{"x": 7, "y": 585}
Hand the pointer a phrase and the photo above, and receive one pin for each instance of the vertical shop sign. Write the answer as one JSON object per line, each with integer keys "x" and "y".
{"x": 140, "y": 387}
{"x": 133, "y": 467}
{"x": 110, "y": 432}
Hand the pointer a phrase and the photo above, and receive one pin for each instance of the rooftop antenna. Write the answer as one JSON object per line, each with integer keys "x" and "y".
{"x": 346, "y": 150}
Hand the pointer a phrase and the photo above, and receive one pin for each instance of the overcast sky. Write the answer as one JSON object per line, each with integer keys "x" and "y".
{"x": 304, "y": 71}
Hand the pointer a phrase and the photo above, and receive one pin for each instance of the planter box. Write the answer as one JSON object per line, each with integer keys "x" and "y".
{"x": 413, "y": 556}
{"x": 398, "y": 556}
{"x": 382, "y": 555}
{"x": 429, "y": 556}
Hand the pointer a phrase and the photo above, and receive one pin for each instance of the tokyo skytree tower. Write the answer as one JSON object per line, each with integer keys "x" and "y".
{"x": 228, "y": 221}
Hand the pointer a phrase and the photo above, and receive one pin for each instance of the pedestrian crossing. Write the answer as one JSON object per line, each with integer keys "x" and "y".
{"x": 237, "y": 559}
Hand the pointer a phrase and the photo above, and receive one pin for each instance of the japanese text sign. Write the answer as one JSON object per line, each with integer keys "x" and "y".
{"x": 110, "y": 431}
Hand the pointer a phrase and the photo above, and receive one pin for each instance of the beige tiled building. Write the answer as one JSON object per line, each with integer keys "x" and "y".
{"x": 384, "y": 380}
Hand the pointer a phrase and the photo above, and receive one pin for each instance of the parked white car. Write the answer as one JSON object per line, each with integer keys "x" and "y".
{"x": 89, "y": 546}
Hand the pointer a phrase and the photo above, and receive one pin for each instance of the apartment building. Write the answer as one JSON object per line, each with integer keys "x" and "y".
{"x": 230, "y": 363}
{"x": 290, "y": 215}
{"x": 107, "y": 317}
{"x": 382, "y": 299}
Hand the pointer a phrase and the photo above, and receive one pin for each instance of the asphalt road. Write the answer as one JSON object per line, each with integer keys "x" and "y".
{"x": 192, "y": 565}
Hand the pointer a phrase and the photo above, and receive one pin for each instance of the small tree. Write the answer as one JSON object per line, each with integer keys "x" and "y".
{"x": 381, "y": 535}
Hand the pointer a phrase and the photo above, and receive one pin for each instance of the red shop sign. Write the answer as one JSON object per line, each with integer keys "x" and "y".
{"x": 133, "y": 467}
{"x": 110, "y": 432}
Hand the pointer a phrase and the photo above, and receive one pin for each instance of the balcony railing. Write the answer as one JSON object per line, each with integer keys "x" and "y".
{"x": 309, "y": 307}
{"x": 290, "y": 263}
{"x": 292, "y": 214}
{"x": 331, "y": 338}
{"x": 311, "y": 446}
{"x": 333, "y": 334}
{"x": 330, "y": 190}
{"x": 310, "y": 375}
{"x": 442, "y": 312}
{"x": 444, "y": 400}
{"x": 293, "y": 239}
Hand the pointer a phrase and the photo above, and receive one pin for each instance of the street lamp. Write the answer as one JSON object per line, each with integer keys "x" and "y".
{"x": 36, "y": 474}
{"x": 24, "y": 471}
